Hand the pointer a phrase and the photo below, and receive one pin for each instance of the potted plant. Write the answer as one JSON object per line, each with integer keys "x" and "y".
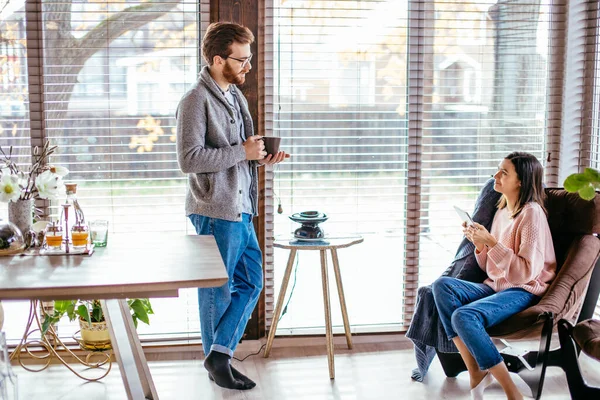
{"x": 94, "y": 333}
{"x": 585, "y": 183}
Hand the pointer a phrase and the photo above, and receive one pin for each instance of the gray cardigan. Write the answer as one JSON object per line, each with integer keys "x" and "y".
{"x": 209, "y": 150}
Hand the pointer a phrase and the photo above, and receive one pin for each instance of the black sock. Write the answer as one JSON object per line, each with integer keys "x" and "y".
{"x": 248, "y": 383}
{"x": 217, "y": 365}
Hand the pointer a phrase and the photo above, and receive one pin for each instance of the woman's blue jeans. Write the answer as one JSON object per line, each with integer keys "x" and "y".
{"x": 225, "y": 310}
{"x": 466, "y": 309}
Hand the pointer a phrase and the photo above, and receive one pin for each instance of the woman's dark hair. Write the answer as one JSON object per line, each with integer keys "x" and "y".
{"x": 530, "y": 172}
{"x": 220, "y": 35}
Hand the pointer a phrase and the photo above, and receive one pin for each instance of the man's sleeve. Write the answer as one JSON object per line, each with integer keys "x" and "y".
{"x": 192, "y": 155}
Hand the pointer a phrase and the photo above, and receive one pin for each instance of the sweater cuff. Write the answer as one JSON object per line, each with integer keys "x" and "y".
{"x": 480, "y": 257}
{"x": 240, "y": 153}
{"x": 498, "y": 253}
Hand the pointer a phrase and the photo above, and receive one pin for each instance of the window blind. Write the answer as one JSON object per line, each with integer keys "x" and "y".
{"x": 114, "y": 73}
{"x": 339, "y": 99}
{"x": 14, "y": 93}
{"x": 14, "y": 122}
{"x": 395, "y": 112}
{"x": 487, "y": 78}
{"x": 112, "y": 76}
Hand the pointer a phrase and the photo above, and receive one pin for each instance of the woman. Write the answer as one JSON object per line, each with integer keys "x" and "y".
{"x": 518, "y": 258}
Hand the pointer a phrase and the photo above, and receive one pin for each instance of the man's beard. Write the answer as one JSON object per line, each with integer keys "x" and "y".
{"x": 233, "y": 78}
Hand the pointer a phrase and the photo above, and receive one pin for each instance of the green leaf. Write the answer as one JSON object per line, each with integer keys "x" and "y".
{"x": 71, "y": 311}
{"x": 140, "y": 311}
{"x": 575, "y": 182}
{"x": 148, "y": 306}
{"x": 61, "y": 306}
{"x": 46, "y": 324}
{"x": 591, "y": 175}
{"x": 587, "y": 193}
{"x": 82, "y": 311}
{"x": 97, "y": 314}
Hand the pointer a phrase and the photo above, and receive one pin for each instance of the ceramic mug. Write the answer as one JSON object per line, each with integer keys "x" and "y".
{"x": 271, "y": 144}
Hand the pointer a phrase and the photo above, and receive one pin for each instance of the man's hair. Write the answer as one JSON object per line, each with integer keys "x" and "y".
{"x": 531, "y": 173}
{"x": 218, "y": 39}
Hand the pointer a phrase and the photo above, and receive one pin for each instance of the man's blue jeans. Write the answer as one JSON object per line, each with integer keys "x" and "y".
{"x": 466, "y": 309}
{"x": 224, "y": 311}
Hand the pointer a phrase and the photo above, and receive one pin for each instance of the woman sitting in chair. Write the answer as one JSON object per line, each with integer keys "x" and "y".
{"x": 518, "y": 258}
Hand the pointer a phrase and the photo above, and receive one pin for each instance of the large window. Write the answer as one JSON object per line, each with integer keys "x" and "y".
{"x": 394, "y": 111}
{"x": 379, "y": 100}
{"x": 14, "y": 117}
{"x": 113, "y": 75}
{"x": 493, "y": 57}
{"x": 14, "y": 90}
{"x": 340, "y": 101}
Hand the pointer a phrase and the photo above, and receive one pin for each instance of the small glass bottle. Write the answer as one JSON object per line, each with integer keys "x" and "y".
{"x": 73, "y": 219}
{"x": 72, "y": 200}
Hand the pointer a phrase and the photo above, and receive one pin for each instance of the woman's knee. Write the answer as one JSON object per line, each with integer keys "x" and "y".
{"x": 459, "y": 317}
{"x": 441, "y": 286}
{"x": 464, "y": 317}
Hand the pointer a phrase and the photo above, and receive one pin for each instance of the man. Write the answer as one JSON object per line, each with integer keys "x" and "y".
{"x": 217, "y": 148}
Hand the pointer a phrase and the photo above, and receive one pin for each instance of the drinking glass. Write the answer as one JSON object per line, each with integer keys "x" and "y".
{"x": 53, "y": 237}
{"x": 80, "y": 235}
{"x": 99, "y": 232}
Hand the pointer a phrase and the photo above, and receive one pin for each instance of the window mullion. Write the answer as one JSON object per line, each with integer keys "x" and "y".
{"x": 35, "y": 65}
{"x": 574, "y": 91}
{"x": 555, "y": 91}
{"x": 419, "y": 87}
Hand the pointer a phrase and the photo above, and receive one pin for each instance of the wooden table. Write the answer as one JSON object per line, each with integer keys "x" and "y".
{"x": 331, "y": 244}
{"x": 132, "y": 266}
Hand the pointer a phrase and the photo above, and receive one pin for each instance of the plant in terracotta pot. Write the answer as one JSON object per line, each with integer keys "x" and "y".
{"x": 585, "y": 183}
{"x": 94, "y": 332}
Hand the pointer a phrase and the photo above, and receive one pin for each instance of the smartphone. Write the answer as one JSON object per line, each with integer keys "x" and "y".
{"x": 464, "y": 215}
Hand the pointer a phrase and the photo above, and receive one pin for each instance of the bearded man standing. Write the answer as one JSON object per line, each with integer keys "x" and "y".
{"x": 217, "y": 148}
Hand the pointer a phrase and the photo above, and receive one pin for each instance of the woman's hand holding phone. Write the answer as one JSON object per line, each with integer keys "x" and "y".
{"x": 479, "y": 236}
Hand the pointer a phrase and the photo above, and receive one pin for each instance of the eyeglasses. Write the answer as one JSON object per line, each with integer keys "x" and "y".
{"x": 244, "y": 61}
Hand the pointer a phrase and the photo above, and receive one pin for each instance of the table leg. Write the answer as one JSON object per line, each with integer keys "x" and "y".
{"x": 126, "y": 345}
{"x": 340, "y": 288}
{"x": 327, "y": 305}
{"x": 280, "y": 300}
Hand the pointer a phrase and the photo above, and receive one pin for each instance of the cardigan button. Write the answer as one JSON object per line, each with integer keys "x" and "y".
{"x": 232, "y": 121}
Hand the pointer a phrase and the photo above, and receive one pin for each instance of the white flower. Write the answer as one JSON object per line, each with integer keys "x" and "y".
{"x": 49, "y": 185}
{"x": 58, "y": 170}
{"x": 9, "y": 188}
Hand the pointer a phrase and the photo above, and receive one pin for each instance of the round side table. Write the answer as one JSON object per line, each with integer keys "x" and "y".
{"x": 332, "y": 244}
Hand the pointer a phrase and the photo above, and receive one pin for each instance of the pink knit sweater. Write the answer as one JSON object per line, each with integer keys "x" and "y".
{"x": 524, "y": 255}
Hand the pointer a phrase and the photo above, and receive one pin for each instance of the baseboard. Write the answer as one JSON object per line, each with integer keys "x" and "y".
{"x": 184, "y": 350}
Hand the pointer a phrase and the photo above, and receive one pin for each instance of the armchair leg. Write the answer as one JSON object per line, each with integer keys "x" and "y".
{"x": 534, "y": 378}
{"x": 452, "y": 363}
{"x": 577, "y": 387}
